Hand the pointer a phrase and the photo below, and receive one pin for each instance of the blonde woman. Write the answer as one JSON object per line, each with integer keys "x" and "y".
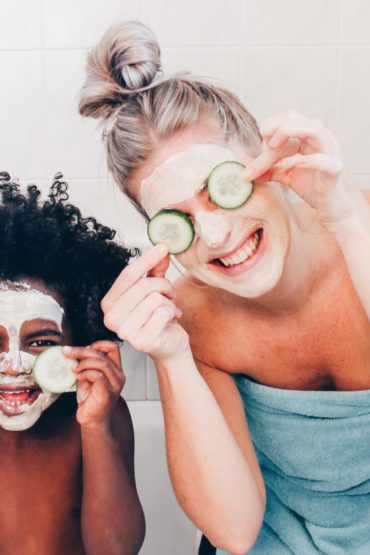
{"x": 267, "y": 415}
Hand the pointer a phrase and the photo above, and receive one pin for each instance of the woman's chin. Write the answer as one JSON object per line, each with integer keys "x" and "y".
{"x": 257, "y": 282}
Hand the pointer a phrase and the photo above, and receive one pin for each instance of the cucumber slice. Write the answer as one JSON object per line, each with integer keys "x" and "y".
{"x": 173, "y": 228}
{"x": 226, "y": 186}
{"x": 52, "y": 370}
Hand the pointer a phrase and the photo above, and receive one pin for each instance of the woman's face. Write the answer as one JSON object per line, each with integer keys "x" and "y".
{"x": 243, "y": 250}
{"x": 31, "y": 320}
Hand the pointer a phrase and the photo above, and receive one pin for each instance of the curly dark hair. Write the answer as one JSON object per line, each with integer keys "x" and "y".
{"x": 51, "y": 241}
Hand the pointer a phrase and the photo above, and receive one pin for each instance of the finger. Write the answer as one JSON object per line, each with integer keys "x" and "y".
{"x": 285, "y": 173}
{"x": 80, "y": 352}
{"x": 269, "y": 157}
{"x": 99, "y": 383}
{"x": 322, "y": 162}
{"x": 83, "y": 389}
{"x": 104, "y": 366}
{"x": 310, "y": 131}
{"x": 94, "y": 359}
{"x": 94, "y": 378}
{"x": 129, "y": 328}
{"x": 133, "y": 272}
{"x": 140, "y": 290}
{"x": 151, "y": 334}
{"x": 110, "y": 349}
{"x": 160, "y": 319}
{"x": 160, "y": 269}
{"x": 89, "y": 375}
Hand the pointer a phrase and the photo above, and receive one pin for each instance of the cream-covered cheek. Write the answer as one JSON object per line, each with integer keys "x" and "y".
{"x": 223, "y": 232}
{"x": 20, "y": 304}
{"x": 181, "y": 176}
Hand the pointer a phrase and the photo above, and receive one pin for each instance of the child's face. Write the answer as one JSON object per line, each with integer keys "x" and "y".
{"x": 31, "y": 320}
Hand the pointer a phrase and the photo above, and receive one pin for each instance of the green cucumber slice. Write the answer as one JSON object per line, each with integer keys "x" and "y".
{"x": 172, "y": 227}
{"x": 226, "y": 186}
{"x": 52, "y": 370}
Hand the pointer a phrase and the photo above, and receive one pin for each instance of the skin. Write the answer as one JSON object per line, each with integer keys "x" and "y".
{"x": 76, "y": 459}
{"x": 315, "y": 296}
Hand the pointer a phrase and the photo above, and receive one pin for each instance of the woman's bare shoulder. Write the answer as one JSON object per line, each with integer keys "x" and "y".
{"x": 194, "y": 296}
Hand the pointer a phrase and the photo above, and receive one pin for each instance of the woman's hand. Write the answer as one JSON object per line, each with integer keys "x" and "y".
{"x": 139, "y": 307}
{"x": 303, "y": 155}
{"x": 100, "y": 380}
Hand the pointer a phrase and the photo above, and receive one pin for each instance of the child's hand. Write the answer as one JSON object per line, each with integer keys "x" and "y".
{"x": 100, "y": 380}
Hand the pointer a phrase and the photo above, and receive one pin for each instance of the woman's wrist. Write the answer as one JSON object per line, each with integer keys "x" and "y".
{"x": 176, "y": 363}
{"x": 354, "y": 213}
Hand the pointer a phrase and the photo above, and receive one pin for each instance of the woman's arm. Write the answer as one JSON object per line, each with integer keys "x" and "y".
{"x": 211, "y": 459}
{"x": 353, "y": 237}
{"x": 112, "y": 519}
{"x": 304, "y": 155}
{"x": 215, "y": 475}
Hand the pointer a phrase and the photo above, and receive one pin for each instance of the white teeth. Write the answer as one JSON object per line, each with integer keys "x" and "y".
{"x": 243, "y": 253}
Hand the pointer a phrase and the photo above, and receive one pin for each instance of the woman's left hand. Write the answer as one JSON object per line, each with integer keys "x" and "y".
{"x": 304, "y": 155}
{"x": 100, "y": 380}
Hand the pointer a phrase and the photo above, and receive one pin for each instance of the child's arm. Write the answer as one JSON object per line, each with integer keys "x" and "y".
{"x": 112, "y": 519}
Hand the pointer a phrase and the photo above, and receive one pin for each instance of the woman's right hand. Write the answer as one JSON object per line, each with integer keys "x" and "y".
{"x": 139, "y": 307}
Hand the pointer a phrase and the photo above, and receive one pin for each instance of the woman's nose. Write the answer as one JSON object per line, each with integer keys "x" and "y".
{"x": 214, "y": 228}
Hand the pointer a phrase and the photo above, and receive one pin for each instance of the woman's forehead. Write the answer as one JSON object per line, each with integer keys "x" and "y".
{"x": 181, "y": 176}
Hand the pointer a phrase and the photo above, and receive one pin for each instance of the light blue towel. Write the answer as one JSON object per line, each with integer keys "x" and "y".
{"x": 314, "y": 451}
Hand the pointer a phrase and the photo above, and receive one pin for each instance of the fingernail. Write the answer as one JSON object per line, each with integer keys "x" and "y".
{"x": 67, "y": 349}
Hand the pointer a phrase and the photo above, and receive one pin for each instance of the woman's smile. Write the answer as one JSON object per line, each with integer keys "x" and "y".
{"x": 241, "y": 259}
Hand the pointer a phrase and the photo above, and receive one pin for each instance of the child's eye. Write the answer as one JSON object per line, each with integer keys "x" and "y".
{"x": 43, "y": 343}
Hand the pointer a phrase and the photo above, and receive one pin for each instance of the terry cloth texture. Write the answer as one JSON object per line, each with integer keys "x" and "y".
{"x": 314, "y": 452}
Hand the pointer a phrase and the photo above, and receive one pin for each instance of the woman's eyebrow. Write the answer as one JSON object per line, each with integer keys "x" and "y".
{"x": 44, "y": 331}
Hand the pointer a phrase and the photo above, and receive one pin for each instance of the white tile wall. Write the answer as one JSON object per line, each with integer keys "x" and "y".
{"x": 282, "y": 78}
{"x": 21, "y": 24}
{"x": 169, "y": 531}
{"x": 290, "y": 22}
{"x": 80, "y": 23}
{"x": 312, "y": 55}
{"x": 194, "y": 23}
{"x": 22, "y": 113}
{"x": 355, "y": 22}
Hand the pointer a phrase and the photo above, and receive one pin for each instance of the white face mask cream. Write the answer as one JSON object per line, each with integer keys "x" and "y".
{"x": 21, "y": 401}
{"x": 181, "y": 176}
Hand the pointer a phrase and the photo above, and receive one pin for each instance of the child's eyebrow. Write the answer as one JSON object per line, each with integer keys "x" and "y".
{"x": 44, "y": 331}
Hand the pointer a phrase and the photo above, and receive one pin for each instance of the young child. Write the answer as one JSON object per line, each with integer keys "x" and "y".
{"x": 67, "y": 476}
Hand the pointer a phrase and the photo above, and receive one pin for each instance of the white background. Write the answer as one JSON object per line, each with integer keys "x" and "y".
{"x": 311, "y": 55}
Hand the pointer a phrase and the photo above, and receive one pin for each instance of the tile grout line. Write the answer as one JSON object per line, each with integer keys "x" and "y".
{"x": 43, "y": 64}
{"x": 339, "y": 71}
{"x": 241, "y": 50}
{"x": 315, "y": 46}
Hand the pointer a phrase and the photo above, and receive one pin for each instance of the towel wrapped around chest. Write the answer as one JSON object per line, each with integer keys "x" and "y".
{"x": 314, "y": 452}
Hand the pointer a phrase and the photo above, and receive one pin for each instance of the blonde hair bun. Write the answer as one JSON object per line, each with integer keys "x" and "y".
{"x": 125, "y": 61}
